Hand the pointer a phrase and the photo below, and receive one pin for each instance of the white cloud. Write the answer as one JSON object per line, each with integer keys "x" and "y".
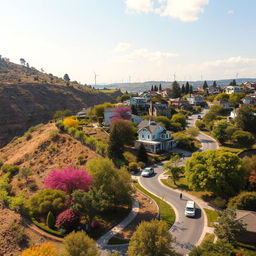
{"x": 143, "y": 54}
{"x": 184, "y": 10}
{"x": 230, "y": 12}
{"x": 140, "y": 5}
{"x": 122, "y": 47}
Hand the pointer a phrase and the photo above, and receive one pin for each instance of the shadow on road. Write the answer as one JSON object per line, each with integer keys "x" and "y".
{"x": 198, "y": 213}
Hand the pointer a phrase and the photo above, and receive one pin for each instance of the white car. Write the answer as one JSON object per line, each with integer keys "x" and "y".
{"x": 190, "y": 210}
{"x": 147, "y": 172}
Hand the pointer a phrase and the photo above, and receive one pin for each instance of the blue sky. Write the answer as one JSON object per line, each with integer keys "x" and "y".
{"x": 140, "y": 39}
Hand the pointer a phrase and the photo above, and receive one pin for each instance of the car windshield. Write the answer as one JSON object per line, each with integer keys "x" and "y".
{"x": 146, "y": 170}
{"x": 189, "y": 209}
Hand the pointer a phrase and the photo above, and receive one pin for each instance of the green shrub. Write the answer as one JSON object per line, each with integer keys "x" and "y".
{"x": 200, "y": 124}
{"x": 50, "y": 220}
{"x": 17, "y": 203}
{"x": 45, "y": 228}
{"x": 32, "y": 185}
{"x": 1, "y": 164}
{"x": 60, "y": 125}
{"x": 11, "y": 169}
{"x": 71, "y": 131}
{"x": 78, "y": 134}
{"x": 5, "y": 182}
{"x": 219, "y": 202}
{"x": 186, "y": 142}
{"x": 47, "y": 200}
{"x": 18, "y": 233}
{"x": 28, "y": 135}
{"x": 133, "y": 167}
{"x": 243, "y": 201}
{"x": 242, "y": 138}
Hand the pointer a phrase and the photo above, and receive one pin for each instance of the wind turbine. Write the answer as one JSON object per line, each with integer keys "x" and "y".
{"x": 95, "y": 78}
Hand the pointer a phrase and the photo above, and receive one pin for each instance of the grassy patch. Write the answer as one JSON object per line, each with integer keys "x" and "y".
{"x": 183, "y": 185}
{"x": 166, "y": 211}
{"x": 108, "y": 91}
{"x": 208, "y": 237}
{"x": 212, "y": 216}
{"x": 116, "y": 240}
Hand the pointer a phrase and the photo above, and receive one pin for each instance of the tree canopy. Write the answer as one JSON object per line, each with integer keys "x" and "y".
{"x": 151, "y": 239}
{"x": 216, "y": 171}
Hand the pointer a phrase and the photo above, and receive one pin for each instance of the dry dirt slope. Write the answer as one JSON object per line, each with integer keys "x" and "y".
{"x": 46, "y": 150}
{"x": 25, "y": 102}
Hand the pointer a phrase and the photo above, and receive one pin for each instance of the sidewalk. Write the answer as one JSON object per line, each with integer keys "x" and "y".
{"x": 103, "y": 240}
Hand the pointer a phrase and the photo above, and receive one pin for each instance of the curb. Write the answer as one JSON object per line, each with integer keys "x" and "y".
{"x": 199, "y": 204}
{"x": 175, "y": 210}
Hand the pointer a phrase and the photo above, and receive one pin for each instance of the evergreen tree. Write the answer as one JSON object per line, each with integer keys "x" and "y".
{"x": 183, "y": 89}
{"x": 233, "y": 82}
{"x": 50, "y": 220}
{"x": 191, "y": 89}
{"x": 142, "y": 154}
{"x": 175, "y": 91}
{"x": 115, "y": 144}
{"x": 160, "y": 87}
{"x": 152, "y": 88}
{"x": 155, "y": 88}
{"x": 187, "y": 88}
{"x": 214, "y": 85}
{"x": 205, "y": 85}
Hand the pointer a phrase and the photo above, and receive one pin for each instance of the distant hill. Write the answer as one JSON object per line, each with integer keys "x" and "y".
{"x": 138, "y": 87}
{"x": 29, "y": 97}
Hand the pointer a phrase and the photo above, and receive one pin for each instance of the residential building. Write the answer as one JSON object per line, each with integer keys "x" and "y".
{"x": 249, "y": 219}
{"x": 222, "y": 103}
{"x": 154, "y": 137}
{"x": 249, "y": 100}
{"x": 233, "y": 89}
{"x": 180, "y": 103}
{"x": 196, "y": 100}
{"x": 138, "y": 102}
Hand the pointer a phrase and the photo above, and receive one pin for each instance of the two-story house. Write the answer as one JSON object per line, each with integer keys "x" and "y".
{"x": 140, "y": 102}
{"x": 154, "y": 137}
{"x": 233, "y": 89}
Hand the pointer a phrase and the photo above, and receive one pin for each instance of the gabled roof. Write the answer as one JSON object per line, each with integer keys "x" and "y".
{"x": 150, "y": 125}
{"x": 248, "y": 218}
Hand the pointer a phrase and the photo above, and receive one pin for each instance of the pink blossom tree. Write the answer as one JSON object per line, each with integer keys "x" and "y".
{"x": 68, "y": 179}
{"x": 122, "y": 113}
{"x": 68, "y": 220}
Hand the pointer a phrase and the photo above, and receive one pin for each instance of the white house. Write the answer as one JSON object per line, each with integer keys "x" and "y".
{"x": 154, "y": 137}
{"x": 195, "y": 100}
{"x": 233, "y": 89}
{"x": 233, "y": 114}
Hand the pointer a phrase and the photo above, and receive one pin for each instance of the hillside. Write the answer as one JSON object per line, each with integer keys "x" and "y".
{"x": 46, "y": 150}
{"x": 29, "y": 97}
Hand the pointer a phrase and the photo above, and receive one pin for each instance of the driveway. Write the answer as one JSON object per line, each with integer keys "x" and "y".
{"x": 187, "y": 231}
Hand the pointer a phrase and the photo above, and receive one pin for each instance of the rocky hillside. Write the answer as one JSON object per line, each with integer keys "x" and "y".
{"x": 29, "y": 97}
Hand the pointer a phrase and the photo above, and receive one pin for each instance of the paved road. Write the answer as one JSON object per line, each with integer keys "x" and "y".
{"x": 186, "y": 230}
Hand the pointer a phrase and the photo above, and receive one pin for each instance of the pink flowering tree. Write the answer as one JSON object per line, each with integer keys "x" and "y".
{"x": 68, "y": 179}
{"x": 68, "y": 220}
{"x": 122, "y": 113}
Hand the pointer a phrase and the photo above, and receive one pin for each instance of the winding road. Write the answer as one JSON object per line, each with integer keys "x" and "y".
{"x": 187, "y": 231}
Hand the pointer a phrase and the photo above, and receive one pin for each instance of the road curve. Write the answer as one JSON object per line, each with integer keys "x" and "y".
{"x": 187, "y": 231}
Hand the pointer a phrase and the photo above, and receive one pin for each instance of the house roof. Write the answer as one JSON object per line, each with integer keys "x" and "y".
{"x": 150, "y": 125}
{"x": 248, "y": 218}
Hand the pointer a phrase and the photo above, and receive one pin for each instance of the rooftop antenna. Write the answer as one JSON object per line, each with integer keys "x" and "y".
{"x": 95, "y": 78}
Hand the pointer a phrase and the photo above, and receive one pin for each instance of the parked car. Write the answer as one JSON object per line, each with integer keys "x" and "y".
{"x": 147, "y": 172}
{"x": 190, "y": 210}
{"x": 199, "y": 117}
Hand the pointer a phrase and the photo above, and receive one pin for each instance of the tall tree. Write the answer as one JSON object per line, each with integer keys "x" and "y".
{"x": 160, "y": 87}
{"x": 191, "y": 89}
{"x": 66, "y": 77}
{"x": 187, "y": 86}
{"x": 152, "y": 88}
{"x": 233, "y": 82}
{"x": 246, "y": 119}
{"x": 183, "y": 89}
{"x": 214, "y": 85}
{"x": 175, "y": 91}
{"x": 228, "y": 226}
{"x": 151, "y": 239}
{"x": 205, "y": 85}
{"x": 142, "y": 154}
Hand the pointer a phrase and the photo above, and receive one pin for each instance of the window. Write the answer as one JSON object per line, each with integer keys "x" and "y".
{"x": 142, "y": 136}
{"x": 148, "y": 136}
{"x": 153, "y": 137}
